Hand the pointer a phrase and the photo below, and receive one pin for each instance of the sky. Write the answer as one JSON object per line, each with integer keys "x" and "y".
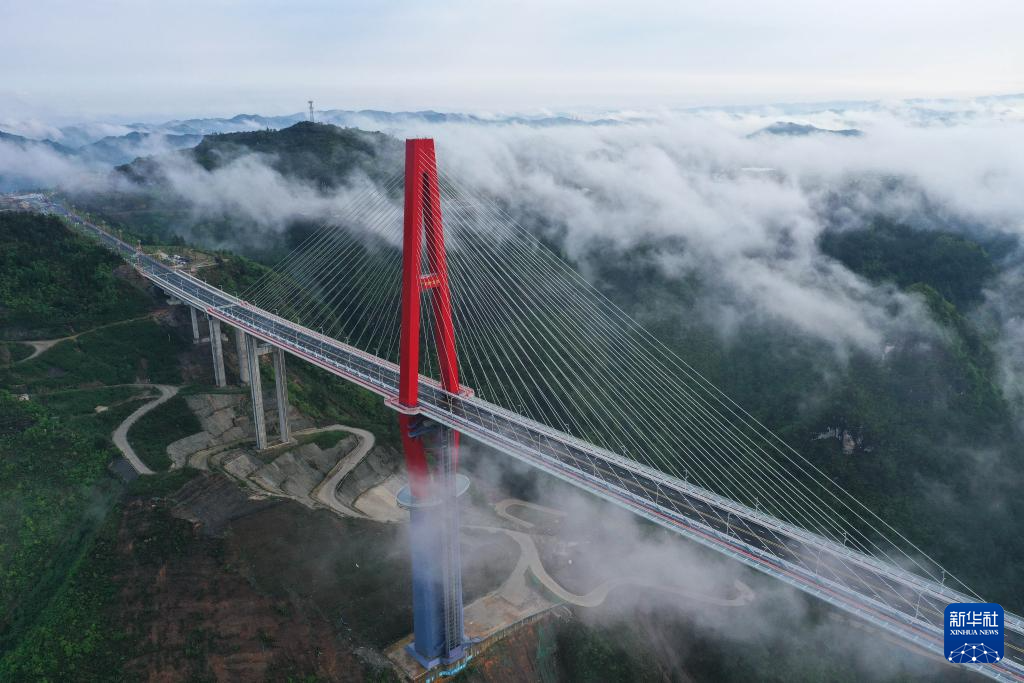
{"x": 64, "y": 60}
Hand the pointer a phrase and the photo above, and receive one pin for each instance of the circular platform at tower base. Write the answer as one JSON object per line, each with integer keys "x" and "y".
{"x": 407, "y": 502}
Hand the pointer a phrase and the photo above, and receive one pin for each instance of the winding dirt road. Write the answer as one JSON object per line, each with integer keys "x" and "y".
{"x": 326, "y": 489}
{"x": 120, "y": 435}
{"x": 38, "y": 347}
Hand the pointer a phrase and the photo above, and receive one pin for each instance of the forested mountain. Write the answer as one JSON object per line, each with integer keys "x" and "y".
{"x": 155, "y": 196}
{"x": 50, "y": 298}
{"x": 902, "y": 427}
{"x": 318, "y": 153}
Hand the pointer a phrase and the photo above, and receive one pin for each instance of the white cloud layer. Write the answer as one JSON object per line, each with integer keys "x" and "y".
{"x": 750, "y": 210}
{"x": 743, "y": 213}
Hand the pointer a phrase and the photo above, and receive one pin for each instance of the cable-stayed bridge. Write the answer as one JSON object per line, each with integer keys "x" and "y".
{"x": 514, "y": 349}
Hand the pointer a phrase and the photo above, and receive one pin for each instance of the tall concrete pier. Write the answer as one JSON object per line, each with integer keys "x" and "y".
{"x": 281, "y": 392}
{"x": 243, "y": 356}
{"x": 195, "y": 325}
{"x": 218, "y": 353}
{"x": 259, "y": 421}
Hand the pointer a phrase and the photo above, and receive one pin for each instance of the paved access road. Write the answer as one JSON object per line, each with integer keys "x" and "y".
{"x": 120, "y": 435}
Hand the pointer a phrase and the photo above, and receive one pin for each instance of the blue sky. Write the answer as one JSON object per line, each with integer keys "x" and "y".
{"x": 141, "y": 59}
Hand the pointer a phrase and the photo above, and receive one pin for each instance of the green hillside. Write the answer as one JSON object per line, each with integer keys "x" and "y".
{"x": 54, "y": 282}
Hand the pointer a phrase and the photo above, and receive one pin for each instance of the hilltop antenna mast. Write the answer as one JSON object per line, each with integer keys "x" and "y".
{"x": 311, "y": 111}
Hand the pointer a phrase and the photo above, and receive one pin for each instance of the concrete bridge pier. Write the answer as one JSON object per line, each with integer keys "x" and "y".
{"x": 195, "y": 325}
{"x": 243, "y": 357}
{"x": 259, "y": 420}
{"x": 281, "y": 390}
{"x": 218, "y": 353}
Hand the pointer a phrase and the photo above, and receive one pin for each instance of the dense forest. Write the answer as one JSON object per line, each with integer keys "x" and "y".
{"x": 57, "y": 494}
{"x": 74, "y": 286}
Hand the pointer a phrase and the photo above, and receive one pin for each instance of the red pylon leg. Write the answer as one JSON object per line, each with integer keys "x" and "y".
{"x": 415, "y": 459}
{"x": 423, "y": 222}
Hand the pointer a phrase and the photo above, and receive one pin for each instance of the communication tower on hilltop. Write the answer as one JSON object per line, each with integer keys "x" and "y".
{"x": 310, "y": 111}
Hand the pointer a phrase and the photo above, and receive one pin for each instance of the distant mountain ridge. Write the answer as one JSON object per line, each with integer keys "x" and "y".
{"x": 79, "y": 136}
{"x": 31, "y": 143}
{"x": 924, "y": 110}
{"x": 791, "y": 129}
{"x": 16, "y": 174}
{"x": 110, "y": 150}
{"x": 115, "y": 150}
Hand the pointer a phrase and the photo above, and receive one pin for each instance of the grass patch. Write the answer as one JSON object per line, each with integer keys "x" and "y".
{"x": 539, "y": 518}
{"x": 324, "y": 440}
{"x": 119, "y": 354}
{"x": 162, "y": 484}
{"x": 159, "y": 428}
{"x": 13, "y": 352}
{"x": 76, "y": 402}
{"x": 329, "y": 399}
{"x": 100, "y": 426}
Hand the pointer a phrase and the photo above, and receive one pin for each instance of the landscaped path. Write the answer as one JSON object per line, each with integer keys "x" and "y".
{"x": 120, "y": 436}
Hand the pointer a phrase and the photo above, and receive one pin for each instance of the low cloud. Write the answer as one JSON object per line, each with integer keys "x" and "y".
{"x": 745, "y": 214}
{"x": 742, "y": 214}
{"x": 669, "y": 591}
{"x": 249, "y": 190}
{"x": 31, "y": 166}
